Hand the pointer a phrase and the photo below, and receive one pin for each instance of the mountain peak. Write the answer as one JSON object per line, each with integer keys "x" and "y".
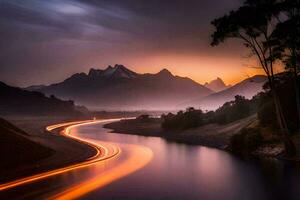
{"x": 76, "y": 77}
{"x": 117, "y": 66}
{"x": 165, "y": 72}
{"x": 120, "y": 71}
{"x": 95, "y": 72}
{"x": 109, "y": 67}
{"x": 216, "y": 85}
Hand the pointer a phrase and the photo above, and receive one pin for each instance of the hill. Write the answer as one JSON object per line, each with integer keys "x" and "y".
{"x": 16, "y": 147}
{"x": 247, "y": 88}
{"x": 16, "y": 101}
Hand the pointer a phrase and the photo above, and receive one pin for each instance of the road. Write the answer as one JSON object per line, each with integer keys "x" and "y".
{"x": 136, "y": 157}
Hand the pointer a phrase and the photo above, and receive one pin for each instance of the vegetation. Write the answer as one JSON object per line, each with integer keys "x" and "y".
{"x": 264, "y": 132}
{"x": 266, "y": 111}
{"x": 270, "y": 30}
{"x": 235, "y": 110}
{"x": 183, "y": 120}
{"x": 231, "y": 111}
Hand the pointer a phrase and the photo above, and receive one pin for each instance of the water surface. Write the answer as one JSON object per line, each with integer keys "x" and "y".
{"x": 180, "y": 171}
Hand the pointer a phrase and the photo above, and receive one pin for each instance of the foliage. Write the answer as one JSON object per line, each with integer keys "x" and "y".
{"x": 287, "y": 34}
{"x": 234, "y": 110}
{"x": 266, "y": 108}
{"x": 191, "y": 118}
{"x": 270, "y": 29}
{"x": 229, "y": 112}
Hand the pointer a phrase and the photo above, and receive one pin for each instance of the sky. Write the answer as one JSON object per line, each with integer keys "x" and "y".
{"x": 45, "y": 41}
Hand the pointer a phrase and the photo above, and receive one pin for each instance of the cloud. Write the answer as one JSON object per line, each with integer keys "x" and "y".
{"x": 112, "y": 28}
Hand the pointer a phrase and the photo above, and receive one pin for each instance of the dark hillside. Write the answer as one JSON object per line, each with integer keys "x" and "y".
{"x": 16, "y": 148}
{"x": 15, "y": 101}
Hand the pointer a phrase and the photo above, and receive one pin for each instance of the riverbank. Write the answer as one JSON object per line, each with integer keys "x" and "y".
{"x": 64, "y": 151}
{"x": 211, "y": 135}
{"x": 251, "y": 140}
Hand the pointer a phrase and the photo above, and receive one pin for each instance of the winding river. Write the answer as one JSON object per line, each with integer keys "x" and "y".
{"x": 152, "y": 168}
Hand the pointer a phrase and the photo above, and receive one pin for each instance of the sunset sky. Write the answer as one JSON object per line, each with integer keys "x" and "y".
{"x": 44, "y": 42}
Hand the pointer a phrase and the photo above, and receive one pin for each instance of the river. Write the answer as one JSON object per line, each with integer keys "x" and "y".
{"x": 172, "y": 171}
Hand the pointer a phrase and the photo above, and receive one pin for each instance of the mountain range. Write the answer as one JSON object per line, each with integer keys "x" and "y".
{"x": 119, "y": 88}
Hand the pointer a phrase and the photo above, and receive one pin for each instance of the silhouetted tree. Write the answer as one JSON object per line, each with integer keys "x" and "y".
{"x": 191, "y": 118}
{"x": 253, "y": 23}
{"x": 234, "y": 110}
{"x": 287, "y": 37}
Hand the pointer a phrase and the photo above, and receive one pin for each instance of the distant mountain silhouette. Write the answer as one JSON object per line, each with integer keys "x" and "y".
{"x": 216, "y": 85}
{"x": 16, "y": 101}
{"x": 118, "y": 88}
{"x": 248, "y": 88}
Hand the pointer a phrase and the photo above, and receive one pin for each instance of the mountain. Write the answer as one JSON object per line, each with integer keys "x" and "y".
{"x": 118, "y": 88}
{"x": 119, "y": 71}
{"x": 16, "y": 101}
{"x": 216, "y": 85}
{"x": 248, "y": 88}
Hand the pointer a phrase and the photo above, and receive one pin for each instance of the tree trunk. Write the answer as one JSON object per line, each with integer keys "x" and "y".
{"x": 290, "y": 148}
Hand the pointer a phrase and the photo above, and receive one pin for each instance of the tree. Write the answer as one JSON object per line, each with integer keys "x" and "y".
{"x": 287, "y": 35}
{"x": 253, "y": 23}
{"x": 234, "y": 110}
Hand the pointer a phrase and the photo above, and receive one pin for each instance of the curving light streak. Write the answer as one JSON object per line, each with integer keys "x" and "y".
{"x": 138, "y": 157}
{"x": 94, "y": 159}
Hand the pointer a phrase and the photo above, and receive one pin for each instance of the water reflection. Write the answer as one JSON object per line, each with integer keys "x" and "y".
{"x": 179, "y": 171}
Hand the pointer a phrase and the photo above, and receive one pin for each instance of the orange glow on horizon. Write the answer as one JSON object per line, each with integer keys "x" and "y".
{"x": 201, "y": 69}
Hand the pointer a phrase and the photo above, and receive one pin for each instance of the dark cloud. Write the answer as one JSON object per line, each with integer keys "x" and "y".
{"x": 60, "y": 35}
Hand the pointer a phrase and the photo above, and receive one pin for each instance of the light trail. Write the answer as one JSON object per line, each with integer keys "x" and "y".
{"x": 94, "y": 159}
{"x": 138, "y": 157}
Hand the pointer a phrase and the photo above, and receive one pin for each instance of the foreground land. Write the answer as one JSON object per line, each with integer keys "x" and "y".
{"x": 212, "y": 135}
{"x": 27, "y": 148}
{"x": 34, "y": 150}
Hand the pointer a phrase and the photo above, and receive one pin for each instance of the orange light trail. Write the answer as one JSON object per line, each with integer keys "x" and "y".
{"x": 139, "y": 156}
{"x": 94, "y": 159}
